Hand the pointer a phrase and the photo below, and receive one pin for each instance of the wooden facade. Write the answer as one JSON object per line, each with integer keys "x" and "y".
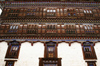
{"x": 50, "y": 23}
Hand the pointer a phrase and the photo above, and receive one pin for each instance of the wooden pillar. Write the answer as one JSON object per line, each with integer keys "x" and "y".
{"x": 56, "y": 51}
{"x": 40, "y": 62}
{"x": 59, "y": 61}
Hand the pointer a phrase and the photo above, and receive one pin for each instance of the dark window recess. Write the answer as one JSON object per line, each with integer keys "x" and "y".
{"x": 70, "y": 31}
{"x": 13, "y": 50}
{"x": 51, "y": 27}
{"x": 31, "y": 32}
{"x": 88, "y": 50}
{"x": 91, "y": 63}
{"x": 10, "y": 62}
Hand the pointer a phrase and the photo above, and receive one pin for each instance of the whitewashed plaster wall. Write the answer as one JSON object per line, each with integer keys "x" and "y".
{"x": 71, "y": 55}
{"x": 3, "y": 49}
{"x": 0, "y": 11}
{"x": 29, "y": 55}
{"x": 97, "y": 51}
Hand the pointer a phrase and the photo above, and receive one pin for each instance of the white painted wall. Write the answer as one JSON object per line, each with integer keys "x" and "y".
{"x": 0, "y": 11}
{"x": 3, "y": 49}
{"x": 29, "y": 55}
{"x": 97, "y": 51}
{"x": 71, "y": 55}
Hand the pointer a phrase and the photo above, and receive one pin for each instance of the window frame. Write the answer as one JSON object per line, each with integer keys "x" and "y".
{"x": 10, "y": 51}
{"x": 92, "y": 52}
{"x": 92, "y": 62}
{"x": 7, "y": 61}
{"x": 50, "y": 44}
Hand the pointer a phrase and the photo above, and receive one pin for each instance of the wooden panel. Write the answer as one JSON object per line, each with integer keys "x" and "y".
{"x": 43, "y": 26}
{"x": 78, "y": 31}
{"x": 39, "y": 30}
{"x": 82, "y": 31}
{"x": 59, "y": 31}
{"x": 1, "y": 31}
{"x": 63, "y": 31}
{"x": 43, "y": 30}
{"x": 19, "y": 31}
{"x": 20, "y": 14}
{"x": 95, "y": 15}
{"x": 24, "y": 30}
{"x": 97, "y": 31}
{"x": 58, "y": 26}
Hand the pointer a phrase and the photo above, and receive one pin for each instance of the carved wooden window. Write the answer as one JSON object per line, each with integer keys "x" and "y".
{"x": 58, "y": 14}
{"x": 96, "y": 29}
{"x": 43, "y": 26}
{"x": 13, "y": 50}
{"x": 24, "y": 28}
{"x": 51, "y": 12}
{"x": 8, "y": 10}
{"x": 50, "y": 65}
{"x": 62, "y": 26}
{"x": 50, "y": 55}
{"x": 29, "y": 26}
{"x": 2, "y": 28}
{"x": 77, "y": 26}
{"x": 10, "y": 62}
{"x": 13, "y": 29}
{"x": 88, "y": 29}
{"x": 98, "y": 26}
{"x": 70, "y": 29}
{"x": 65, "y": 11}
{"x": 88, "y": 50}
{"x": 39, "y": 26}
{"x": 91, "y": 63}
{"x": 7, "y": 28}
{"x": 61, "y": 12}
{"x": 88, "y": 11}
{"x": 50, "y": 51}
{"x": 51, "y": 26}
{"x": 58, "y": 26}
{"x": 51, "y": 62}
{"x": 31, "y": 29}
